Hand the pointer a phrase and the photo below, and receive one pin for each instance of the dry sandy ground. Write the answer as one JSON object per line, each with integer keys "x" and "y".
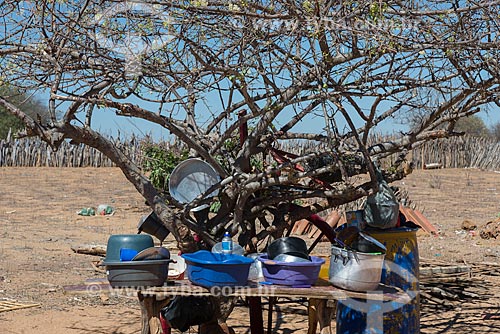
{"x": 39, "y": 225}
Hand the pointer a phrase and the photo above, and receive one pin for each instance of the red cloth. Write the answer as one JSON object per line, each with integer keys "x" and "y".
{"x": 165, "y": 326}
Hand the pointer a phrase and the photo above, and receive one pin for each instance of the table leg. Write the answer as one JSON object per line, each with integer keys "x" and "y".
{"x": 150, "y": 313}
{"x": 256, "y": 321}
{"x": 272, "y": 300}
{"x": 320, "y": 310}
{"x": 312, "y": 315}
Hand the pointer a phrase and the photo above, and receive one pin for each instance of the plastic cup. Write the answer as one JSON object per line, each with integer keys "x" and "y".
{"x": 127, "y": 254}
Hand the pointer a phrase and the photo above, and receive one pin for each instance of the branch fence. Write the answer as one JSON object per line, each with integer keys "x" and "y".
{"x": 457, "y": 152}
{"x": 33, "y": 152}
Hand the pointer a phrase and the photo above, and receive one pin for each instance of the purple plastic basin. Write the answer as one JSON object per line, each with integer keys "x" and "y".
{"x": 296, "y": 274}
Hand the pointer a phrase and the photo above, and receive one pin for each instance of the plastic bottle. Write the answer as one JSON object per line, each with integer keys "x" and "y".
{"x": 227, "y": 244}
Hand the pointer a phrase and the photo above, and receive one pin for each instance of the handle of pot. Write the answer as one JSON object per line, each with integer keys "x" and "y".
{"x": 345, "y": 259}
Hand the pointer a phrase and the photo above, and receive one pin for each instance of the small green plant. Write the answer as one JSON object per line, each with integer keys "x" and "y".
{"x": 160, "y": 161}
{"x": 215, "y": 206}
{"x": 256, "y": 163}
{"x": 231, "y": 144}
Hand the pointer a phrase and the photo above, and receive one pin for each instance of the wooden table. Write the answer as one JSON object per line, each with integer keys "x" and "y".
{"x": 321, "y": 301}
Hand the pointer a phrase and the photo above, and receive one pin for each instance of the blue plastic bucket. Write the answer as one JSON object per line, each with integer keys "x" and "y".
{"x": 401, "y": 269}
{"x": 214, "y": 269}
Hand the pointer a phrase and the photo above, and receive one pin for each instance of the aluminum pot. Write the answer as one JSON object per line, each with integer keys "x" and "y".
{"x": 355, "y": 271}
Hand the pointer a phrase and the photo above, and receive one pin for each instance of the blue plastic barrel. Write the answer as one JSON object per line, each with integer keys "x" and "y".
{"x": 401, "y": 269}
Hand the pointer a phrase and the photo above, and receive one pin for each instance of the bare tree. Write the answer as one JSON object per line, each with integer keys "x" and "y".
{"x": 209, "y": 70}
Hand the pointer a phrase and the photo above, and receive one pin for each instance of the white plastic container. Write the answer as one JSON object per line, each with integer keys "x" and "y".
{"x": 255, "y": 272}
{"x": 237, "y": 249}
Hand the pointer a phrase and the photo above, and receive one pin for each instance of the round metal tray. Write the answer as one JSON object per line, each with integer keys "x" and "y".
{"x": 191, "y": 178}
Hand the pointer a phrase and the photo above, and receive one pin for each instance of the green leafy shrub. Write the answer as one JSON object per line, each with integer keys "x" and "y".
{"x": 159, "y": 160}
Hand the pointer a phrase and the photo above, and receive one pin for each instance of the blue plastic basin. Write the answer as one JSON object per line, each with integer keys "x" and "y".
{"x": 214, "y": 269}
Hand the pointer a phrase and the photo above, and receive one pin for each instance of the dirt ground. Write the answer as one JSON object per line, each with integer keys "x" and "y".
{"x": 39, "y": 224}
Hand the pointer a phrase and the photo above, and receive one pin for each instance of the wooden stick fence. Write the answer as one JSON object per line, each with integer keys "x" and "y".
{"x": 457, "y": 152}
{"x": 33, "y": 152}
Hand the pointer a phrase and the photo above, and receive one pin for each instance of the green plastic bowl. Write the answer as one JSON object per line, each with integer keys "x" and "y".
{"x": 136, "y": 242}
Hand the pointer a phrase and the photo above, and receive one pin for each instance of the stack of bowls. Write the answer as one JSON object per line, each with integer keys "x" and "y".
{"x": 287, "y": 262}
{"x": 133, "y": 261}
{"x": 294, "y": 248}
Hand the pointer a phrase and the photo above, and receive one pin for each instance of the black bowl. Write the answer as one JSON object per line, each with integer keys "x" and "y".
{"x": 288, "y": 245}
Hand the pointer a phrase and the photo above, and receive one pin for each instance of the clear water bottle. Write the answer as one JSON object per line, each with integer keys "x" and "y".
{"x": 227, "y": 244}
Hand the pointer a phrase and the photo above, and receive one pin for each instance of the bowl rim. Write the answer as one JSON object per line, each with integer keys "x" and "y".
{"x": 315, "y": 261}
{"x": 233, "y": 259}
{"x": 136, "y": 263}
